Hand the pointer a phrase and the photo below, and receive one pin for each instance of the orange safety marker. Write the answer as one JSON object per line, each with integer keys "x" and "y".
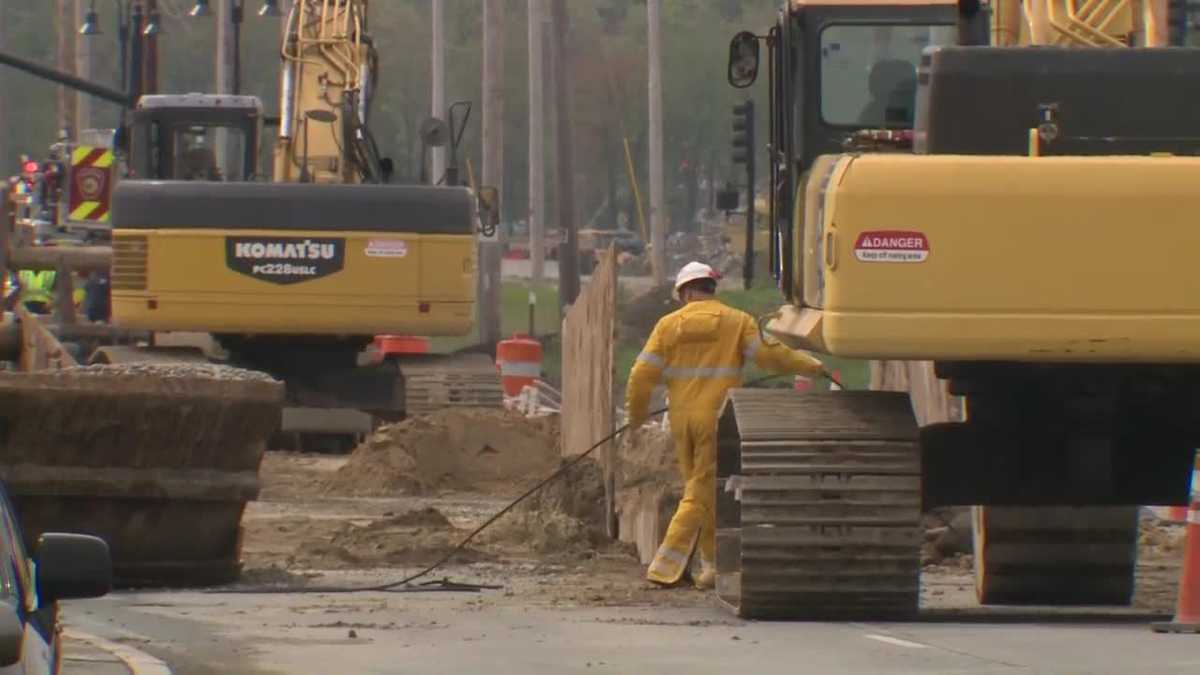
{"x": 1187, "y": 612}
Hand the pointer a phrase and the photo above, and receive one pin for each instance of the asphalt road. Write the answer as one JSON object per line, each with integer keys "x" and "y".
{"x": 455, "y": 633}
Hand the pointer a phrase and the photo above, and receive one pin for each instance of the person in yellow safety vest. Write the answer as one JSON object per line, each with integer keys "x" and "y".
{"x": 37, "y": 289}
{"x": 700, "y": 350}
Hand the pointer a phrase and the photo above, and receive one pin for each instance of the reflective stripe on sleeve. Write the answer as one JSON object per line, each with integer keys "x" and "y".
{"x": 674, "y": 373}
{"x": 651, "y": 359}
{"x": 751, "y": 350}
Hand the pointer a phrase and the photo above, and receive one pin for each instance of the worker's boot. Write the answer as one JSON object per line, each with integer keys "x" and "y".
{"x": 707, "y": 579}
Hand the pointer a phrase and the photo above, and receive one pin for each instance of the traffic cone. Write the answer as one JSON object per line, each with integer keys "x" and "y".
{"x": 1187, "y": 613}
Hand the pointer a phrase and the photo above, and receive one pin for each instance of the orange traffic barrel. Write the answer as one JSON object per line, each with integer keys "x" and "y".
{"x": 1187, "y": 612}
{"x": 520, "y": 361}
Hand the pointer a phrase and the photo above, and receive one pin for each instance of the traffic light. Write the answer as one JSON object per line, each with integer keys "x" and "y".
{"x": 743, "y": 133}
{"x": 743, "y": 153}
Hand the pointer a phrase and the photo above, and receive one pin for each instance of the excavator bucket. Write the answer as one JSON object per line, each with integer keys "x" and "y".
{"x": 158, "y": 460}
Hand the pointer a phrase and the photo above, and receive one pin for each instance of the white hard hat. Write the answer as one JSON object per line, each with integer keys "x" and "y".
{"x": 693, "y": 271}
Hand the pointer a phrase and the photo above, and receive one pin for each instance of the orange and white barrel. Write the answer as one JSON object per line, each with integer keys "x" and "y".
{"x": 1187, "y": 609}
{"x": 520, "y": 362}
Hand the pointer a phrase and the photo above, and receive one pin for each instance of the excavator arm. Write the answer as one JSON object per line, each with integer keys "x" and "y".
{"x": 328, "y": 68}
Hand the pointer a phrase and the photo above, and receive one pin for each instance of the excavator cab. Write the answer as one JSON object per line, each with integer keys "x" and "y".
{"x": 196, "y": 137}
{"x": 846, "y": 75}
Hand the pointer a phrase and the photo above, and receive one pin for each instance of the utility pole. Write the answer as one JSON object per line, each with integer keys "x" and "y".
{"x": 564, "y": 178}
{"x": 658, "y": 231}
{"x": 226, "y": 49}
{"x": 6, "y": 158}
{"x": 537, "y": 138}
{"x": 64, "y": 20}
{"x": 493, "y": 165}
{"x": 226, "y": 78}
{"x": 150, "y": 57}
{"x": 437, "y": 106}
{"x": 83, "y": 68}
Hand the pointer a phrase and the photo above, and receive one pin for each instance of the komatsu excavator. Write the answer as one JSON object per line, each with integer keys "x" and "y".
{"x": 152, "y": 446}
{"x": 1023, "y": 218}
{"x": 295, "y": 277}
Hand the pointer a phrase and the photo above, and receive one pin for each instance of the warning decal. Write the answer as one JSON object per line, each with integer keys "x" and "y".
{"x": 387, "y": 248}
{"x": 895, "y": 246}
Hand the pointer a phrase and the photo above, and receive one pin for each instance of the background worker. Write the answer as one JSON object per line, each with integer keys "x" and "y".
{"x": 35, "y": 288}
{"x": 700, "y": 351}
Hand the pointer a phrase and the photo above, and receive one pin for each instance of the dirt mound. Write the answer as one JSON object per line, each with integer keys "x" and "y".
{"x": 566, "y": 516}
{"x": 647, "y": 457}
{"x": 465, "y": 449}
{"x": 638, "y": 316}
{"x": 416, "y": 537}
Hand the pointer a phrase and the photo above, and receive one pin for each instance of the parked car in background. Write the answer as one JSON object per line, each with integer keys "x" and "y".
{"x": 63, "y": 567}
{"x": 593, "y": 244}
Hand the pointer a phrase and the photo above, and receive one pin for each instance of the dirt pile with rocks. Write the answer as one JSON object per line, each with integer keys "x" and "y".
{"x": 565, "y": 517}
{"x": 417, "y": 537}
{"x": 480, "y": 450}
{"x": 638, "y": 315}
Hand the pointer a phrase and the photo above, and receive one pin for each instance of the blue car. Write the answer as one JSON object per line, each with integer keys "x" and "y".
{"x": 63, "y": 567}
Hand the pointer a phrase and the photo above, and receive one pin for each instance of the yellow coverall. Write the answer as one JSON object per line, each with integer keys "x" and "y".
{"x": 37, "y": 288}
{"x": 700, "y": 351}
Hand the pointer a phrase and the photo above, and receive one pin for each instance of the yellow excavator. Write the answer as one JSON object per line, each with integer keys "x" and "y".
{"x": 1007, "y": 197}
{"x": 295, "y": 277}
{"x": 155, "y": 446}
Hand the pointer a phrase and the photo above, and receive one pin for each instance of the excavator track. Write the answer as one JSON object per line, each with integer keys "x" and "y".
{"x": 436, "y": 381}
{"x": 1055, "y": 555}
{"x": 818, "y": 505}
{"x": 157, "y": 459}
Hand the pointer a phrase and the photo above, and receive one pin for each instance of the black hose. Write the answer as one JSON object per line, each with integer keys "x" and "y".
{"x": 394, "y": 586}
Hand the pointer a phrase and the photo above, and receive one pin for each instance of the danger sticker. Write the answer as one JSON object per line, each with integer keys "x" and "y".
{"x": 387, "y": 248}
{"x": 896, "y": 246}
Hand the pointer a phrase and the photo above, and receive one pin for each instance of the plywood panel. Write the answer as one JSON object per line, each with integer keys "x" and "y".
{"x": 931, "y": 401}
{"x": 589, "y": 331}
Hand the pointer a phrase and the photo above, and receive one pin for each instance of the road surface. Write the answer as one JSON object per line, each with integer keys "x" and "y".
{"x": 198, "y": 633}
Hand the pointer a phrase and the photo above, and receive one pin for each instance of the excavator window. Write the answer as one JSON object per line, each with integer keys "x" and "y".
{"x": 868, "y": 73}
{"x": 209, "y": 153}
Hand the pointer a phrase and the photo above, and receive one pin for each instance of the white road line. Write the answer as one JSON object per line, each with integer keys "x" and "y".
{"x": 896, "y": 641}
{"x": 139, "y": 662}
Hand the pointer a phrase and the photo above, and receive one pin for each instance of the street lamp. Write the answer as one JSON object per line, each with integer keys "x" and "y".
{"x": 91, "y": 22}
{"x": 237, "y": 11}
{"x": 153, "y": 26}
{"x": 129, "y": 22}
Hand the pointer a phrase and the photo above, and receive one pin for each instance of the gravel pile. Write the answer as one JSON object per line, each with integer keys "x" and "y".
{"x": 206, "y": 371}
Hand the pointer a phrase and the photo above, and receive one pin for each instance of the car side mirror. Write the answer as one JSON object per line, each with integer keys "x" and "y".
{"x": 71, "y": 566}
{"x": 743, "y": 59}
{"x": 12, "y": 636}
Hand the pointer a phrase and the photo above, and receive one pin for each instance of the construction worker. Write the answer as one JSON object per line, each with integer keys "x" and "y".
{"x": 699, "y": 350}
{"x": 37, "y": 290}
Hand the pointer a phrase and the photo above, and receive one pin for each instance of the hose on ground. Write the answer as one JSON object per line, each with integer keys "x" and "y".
{"x": 402, "y": 585}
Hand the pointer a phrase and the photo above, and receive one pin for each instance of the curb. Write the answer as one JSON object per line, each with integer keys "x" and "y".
{"x": 138, "y": 662}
